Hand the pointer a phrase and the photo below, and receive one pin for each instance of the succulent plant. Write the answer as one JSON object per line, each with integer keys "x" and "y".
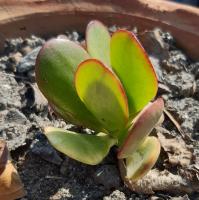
{"x": 107, "y": 86}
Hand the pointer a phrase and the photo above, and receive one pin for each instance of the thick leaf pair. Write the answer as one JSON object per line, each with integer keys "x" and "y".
{"x": 102, "y": 88}
{"x": 139, "y": 151}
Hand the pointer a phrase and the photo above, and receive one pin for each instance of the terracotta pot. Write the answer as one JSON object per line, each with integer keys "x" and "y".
{"x": 44, "y": 17}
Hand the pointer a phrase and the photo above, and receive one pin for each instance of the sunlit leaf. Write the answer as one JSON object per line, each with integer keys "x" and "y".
{"x": 143, "y": 159}
{"x": 89, "y": 149}
{"x": 98, "y": 41}
{"x": 103, "y": 94}
{"x": 133, "y": 67}
{"x": 142, "y": 126}
{"x": 55, "y": 68}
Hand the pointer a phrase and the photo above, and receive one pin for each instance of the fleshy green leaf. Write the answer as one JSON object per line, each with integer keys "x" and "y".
{"x": 142, "y": 126}
{"x": 98, "y": 41}
{"x": 89, "y": 149}
{"x": 55, "y": 68}
{"x": 103, "y": 94}
{"x": 133, "y": 67}
{"x": 143, "y": 159}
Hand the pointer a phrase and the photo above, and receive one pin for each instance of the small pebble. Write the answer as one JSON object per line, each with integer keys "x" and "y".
{"x": 181, "y": 84}
{"x": 116, "y": 195}
{"x": 44, "y": 150}
{"x": 15, "y": 57}
{"x": 27, "y": 63}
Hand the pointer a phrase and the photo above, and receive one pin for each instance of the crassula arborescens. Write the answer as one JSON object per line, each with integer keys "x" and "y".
{"x": 107, "y": 86}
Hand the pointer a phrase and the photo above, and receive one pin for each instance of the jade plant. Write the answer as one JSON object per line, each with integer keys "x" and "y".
{"x": 108, "y": 86}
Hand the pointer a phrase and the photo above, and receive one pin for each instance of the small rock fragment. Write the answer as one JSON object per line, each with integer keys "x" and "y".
{"x": 15, "y": 116}
{"x": 154, "y": 43}
{"x": 14, "y": 58}
{"x": 168, "y": 39}
{"x": 62, "y": 193}
{"x": 43, "y": 149}
{"x": 27, "y": 63}
{"x": 9, "y": 92}
{"x": 74, "y": 36}
{"x": 64, "y": 169}
{"x": 33, "y": 98}
{"x": 194, "y": 69}
{"x": 116, "y": 195}
{"x": 186, "y": 112}
{"x": 180, "y": 83}
{"x": 13, "y": 45}
{"x": 13, "y": 128}
{"x": 3, "y": 62}
{"x": 197, "y": 90}
{"x": 25, "y": 50}
{"x": 42, "y": 120}
{"x": 31, "y": 76}
{"x": 33, "y": 42}
{"x": 176, "y": 62}
{"x": 113, "y": 28}
{"x": 14, "y": 134}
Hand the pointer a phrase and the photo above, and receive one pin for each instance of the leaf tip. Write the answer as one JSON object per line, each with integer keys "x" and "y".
{"x": 140, "y": 161}
{"x": 95, "y": 22}
{"x": 149, "y": 161}
{"x": 143, "y": 124}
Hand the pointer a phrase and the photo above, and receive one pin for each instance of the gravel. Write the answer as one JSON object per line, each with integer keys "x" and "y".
{"x": 9, "y": 91}
{"x": 186, "y": 111}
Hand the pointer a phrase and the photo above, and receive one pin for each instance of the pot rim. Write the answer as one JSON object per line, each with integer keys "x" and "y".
{"x": 26, "y": 17}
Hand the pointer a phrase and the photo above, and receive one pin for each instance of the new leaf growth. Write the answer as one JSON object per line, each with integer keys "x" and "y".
{"x": 109, "y": 88}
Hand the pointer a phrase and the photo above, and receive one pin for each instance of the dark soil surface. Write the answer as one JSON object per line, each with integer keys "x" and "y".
{"x": 49, "y": 175}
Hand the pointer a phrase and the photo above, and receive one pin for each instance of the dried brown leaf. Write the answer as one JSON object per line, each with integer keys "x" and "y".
{"x": 11, "y": 186}
{"x": 157, "y": 180}
{"x": 178, "y": 152}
